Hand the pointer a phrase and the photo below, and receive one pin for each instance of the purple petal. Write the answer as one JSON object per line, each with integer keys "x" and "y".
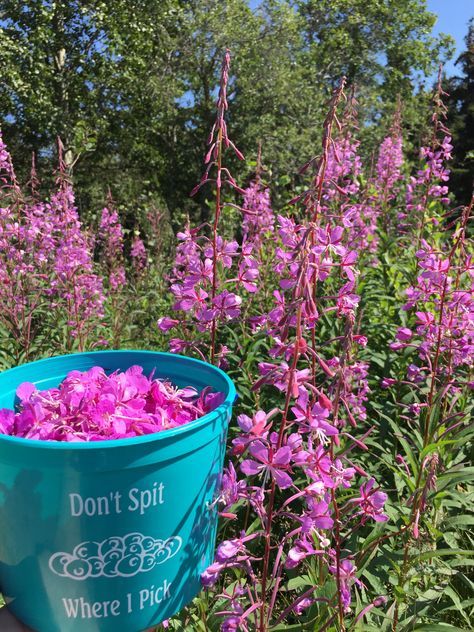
{"x": 282, "y": 456}
{"x": 259, "y": 451}
{"x": 250, "y": 467}
{"x": 25, "y": 391}
{"x": 282, "y": 479}
{"x": 323, "y": 522}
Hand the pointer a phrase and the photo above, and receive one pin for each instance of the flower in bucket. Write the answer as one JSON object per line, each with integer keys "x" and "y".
{"x": 93, "y": 406}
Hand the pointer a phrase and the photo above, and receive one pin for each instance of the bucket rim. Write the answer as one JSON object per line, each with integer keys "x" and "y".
{"x": 180, "y": 431}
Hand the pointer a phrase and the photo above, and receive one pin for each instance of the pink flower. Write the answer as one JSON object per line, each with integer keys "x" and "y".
{"x": 266, "y": 461}
{"x": 138, "y": 254}
{"x": 227, "y": 305}
{"x": 313, "y": 417}
{"x": 370, "y": 503}
{"x": 279, "y": 375}
{"x": 210, "y": 576}
{"x": 165, "y": 323}
{"x": 231, "y": 488}
{"x": 347, "y": 577}
{"x": 229, "y": 549}
{"x": 225, "y": 251}
{"x": 7, "y": 421}
{"x": 300, "y": 550}
{"x": 317, "y": 516}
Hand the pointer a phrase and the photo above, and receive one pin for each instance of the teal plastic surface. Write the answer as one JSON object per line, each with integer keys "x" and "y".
{"x": 110, "y": 535}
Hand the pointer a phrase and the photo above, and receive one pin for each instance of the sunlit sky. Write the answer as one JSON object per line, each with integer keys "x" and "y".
{"x": 453, "y": 18}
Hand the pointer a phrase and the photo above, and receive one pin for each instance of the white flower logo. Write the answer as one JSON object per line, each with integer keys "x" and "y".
{"x": 115, "y": 557}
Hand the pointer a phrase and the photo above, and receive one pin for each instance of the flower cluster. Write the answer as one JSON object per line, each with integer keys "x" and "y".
{"x": 432, "y": 177}
{"x": 443, "y": 303}
{"x": 344, "y": 203}
{"x": 46, "y": 258}
{"x": 389, "y": 165}
{"x": 430, "y": 182}
{"x": 138, "y": 254}
{"x": 75, "y": 282}
{"x": 258, "y": 216}
{"x": 55, "y": 272}
{"x": 94, "y": 406}
{"x": 344, "y": 165}
{"x": 111, "y": 238}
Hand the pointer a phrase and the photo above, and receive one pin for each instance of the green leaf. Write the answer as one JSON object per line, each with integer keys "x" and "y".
{"x": 299, "y": 582}
{"x": 427, "y": 555}
{"x": 438, "y": 627}
{"x": 284, "y": 627}
{"x": 460, "y": 521}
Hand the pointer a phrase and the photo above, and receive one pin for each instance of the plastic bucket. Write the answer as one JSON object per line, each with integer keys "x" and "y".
{"x": 109, "y": 535}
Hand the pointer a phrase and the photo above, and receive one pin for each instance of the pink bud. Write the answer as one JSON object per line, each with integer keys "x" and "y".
{"x": 324, "y": 401}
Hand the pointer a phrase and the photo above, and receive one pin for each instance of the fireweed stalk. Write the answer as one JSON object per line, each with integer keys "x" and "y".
{"x": 110, "y": 246}
{"x": 258, "y": 231}
{"x": 218, "y": 139}
{"x": 290, "y": 455}
{"x": 196, "y": 283}
{"x": 429, "y": 182}
{"x": 443, "y": 341}
{"x": 138, "y": 255}
{"x": 18, "y": 298}
{"x": 304, "y": 276}
{"x": 388, "y": 172}
{"x": 74, "y": 283}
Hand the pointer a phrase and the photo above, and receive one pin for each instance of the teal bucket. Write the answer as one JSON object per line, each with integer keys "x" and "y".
{"x": 110, "y": 535}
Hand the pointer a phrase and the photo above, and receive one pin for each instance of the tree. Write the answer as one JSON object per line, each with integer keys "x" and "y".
{"x": 53, "y": 71}
{"x": 129, "y": 84}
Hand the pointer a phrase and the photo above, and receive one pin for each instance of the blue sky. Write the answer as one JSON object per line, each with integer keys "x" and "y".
{"x": 453, "y": 16}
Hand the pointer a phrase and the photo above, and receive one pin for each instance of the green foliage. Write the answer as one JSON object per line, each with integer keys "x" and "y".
{"x": 129, "y": 85}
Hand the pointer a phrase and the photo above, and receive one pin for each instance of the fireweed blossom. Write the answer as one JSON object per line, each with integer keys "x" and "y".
{"x": 344, "y": 202}
{"x": 442, "y": 306}
{"x": 94, "y": 406}
{"x": 111, "y": 246}
{"x": 75, "y": 282}
{"x": 388, "y": 171}
{"x": 389, "y": 166}
{"x": 441, "y": 298}
{"x": 138, "y": 254}
{"x": 347, "y": 579}
{"x": 371, "y": 502}
{"x": 265, "y": 461}
{"x": 258, "y": 217}
{"x": 430, "y": 182}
